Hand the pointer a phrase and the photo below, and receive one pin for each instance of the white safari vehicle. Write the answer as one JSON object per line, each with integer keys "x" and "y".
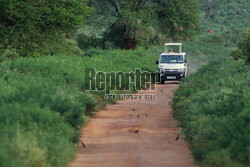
{"x": 172, "y": 65}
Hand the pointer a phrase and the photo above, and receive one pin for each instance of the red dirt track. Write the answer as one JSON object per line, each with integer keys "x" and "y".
{"x": 111, "y": 139}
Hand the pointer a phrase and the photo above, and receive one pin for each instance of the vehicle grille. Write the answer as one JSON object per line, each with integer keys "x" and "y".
{"x": 171, "y": 70}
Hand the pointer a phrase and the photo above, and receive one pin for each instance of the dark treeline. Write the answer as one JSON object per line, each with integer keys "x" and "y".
{"x": 129, "y": 22}
{"x": 38, "y": 27}
{"x": 31, "y": 28}
{"x": 34, "y": 28}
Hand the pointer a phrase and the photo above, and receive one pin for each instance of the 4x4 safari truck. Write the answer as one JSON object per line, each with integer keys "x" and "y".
{"x": 172, "y": 65}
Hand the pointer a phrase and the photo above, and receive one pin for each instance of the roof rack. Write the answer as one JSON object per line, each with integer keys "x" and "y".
{"x": 173, "y": 44}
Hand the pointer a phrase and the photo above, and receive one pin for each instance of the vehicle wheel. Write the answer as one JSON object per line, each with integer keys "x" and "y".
{"x": 162, "y": 82}
{"x": 158, "y": 78}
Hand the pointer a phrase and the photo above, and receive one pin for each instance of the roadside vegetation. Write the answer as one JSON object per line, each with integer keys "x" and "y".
{"x": 213, "y": 108}
{"x": 43, "y": 104}
{"x": 224, "y": 16}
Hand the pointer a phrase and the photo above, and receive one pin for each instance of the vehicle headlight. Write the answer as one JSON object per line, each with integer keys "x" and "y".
{"x": 181, "y": 70}
{"x": 161, "y": 70}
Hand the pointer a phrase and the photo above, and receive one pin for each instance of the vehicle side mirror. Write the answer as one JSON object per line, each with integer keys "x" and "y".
{"x": 157, "y": 62}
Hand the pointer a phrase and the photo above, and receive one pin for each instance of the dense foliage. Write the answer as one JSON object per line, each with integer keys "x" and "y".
{"x": 31, "y": 26}
{"x": 126, "y": 23}
{"x": 43, "y": 104}
{"x": 243, "y": 51}
{"x": 225, "y": 15}
{"x": 225, "y": 20}
{"x": 179, "y": 19}
{"x": 213, "y": 108}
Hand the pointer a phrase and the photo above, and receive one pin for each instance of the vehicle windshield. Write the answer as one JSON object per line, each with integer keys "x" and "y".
{"x": 171, "y": 59}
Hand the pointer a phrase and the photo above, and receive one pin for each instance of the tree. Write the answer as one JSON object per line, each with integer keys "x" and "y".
{"x": 128, "y": 22}
{"x": 24, "y": 24}
{"x": 178, "y": 18}
{"x": 211, "y": 5}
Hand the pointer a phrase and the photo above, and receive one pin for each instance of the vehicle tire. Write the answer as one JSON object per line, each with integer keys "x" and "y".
{"x": 158, "y": 78}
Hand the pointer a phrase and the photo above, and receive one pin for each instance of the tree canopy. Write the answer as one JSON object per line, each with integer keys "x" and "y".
{"x": 178, "y": 18}
{"x": 127, "y": 22}
{"x": 25, "y": 23}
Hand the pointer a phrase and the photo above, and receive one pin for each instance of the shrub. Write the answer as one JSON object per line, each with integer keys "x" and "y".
{"x": 213, "y": 107}
{"x": 243, "y": 51}
{"x": 43, "y": 103}
{"x": 237, "y": 54}
{"x": 244, "y": 44}
{"x": 30, "y": 27}
{"x": 86, "y": 41}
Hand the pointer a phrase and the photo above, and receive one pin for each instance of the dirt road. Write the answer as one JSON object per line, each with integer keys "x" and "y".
{"x": 135, "y": 133}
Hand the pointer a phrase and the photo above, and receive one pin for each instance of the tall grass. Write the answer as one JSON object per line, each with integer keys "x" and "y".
{"x": 213, "y": 108}
{"x": 43, "y": 103}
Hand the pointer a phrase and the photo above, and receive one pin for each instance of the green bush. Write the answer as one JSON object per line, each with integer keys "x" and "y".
{"x": 51, "y": 113}
{"x": 213, "y": 108}
{"x": 88, "y": 40}
{"x": 35, "y": 27}
{"x": 224, "y": 16}
{"x": 43, "y": 103}
{"x": 243, "y": 51}
{"x": 237, "y": 54}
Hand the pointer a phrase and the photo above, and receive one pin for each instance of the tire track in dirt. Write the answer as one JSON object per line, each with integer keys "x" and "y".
{"x": 111, "y": 140}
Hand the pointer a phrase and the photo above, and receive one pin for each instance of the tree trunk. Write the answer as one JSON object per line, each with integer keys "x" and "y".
{"x": 134, "y": 44}
{"x": 129, "y": 43}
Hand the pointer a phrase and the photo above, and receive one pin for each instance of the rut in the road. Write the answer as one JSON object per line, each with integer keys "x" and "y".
{"x": 117, "y": 137}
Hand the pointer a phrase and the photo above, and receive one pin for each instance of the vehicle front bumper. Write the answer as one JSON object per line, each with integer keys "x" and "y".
{"x": 167, "y": 75}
